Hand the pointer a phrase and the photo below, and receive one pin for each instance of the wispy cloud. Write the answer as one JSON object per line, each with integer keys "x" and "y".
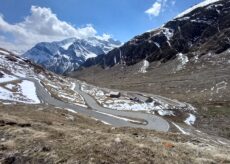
{"x": 154, "y": 10}
{"x": 41, "y": 25}
{"x": 173, "y": 2}
{"x": 158, "y": 7}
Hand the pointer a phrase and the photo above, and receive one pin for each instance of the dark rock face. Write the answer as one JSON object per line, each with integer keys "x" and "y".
{"x": 200, "y": 31}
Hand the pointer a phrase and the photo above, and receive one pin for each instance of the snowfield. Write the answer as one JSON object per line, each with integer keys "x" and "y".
{"x": 6, "y": 78}
{"x": 4, "y": 52}
{"x": 183, "y": 60}
{"x": 13, "y": 69}
{"x": 190, "y": 120}
{"x": 10, "y": 86}
{"x": 29, "y": 90}
{"x": 143, "y": 69}
{"x": 25, "y": 93}
{"x": 16, "y": 68}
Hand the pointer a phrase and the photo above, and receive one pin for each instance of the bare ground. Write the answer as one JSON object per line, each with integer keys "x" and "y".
{"x": 44, "y": 134}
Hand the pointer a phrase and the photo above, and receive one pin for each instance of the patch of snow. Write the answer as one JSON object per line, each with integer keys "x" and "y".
{"x": 128, "y": 105}
{"x": 23, "y": 96}
{"x": 20, "y": 74}
{"x": 201, "y": 21}
{"x": 73, "y": 86}
{"x": 183, "y": 59}
{"x": 10, "y": 86}
{"x": 53, "y": 86}
{"x": 29, "y": 90}
{"x": 183, "y": 18}
{"x": 14, "y": 67}
{"x": 169, "y": 43}
{"x": 190, "y": 120}
{"x": 4, "y": 52}
{"x": 168, "y": 33}
{"x": 165, "y": 112}
{"x": 157, "y": 44}
{"x": 66, "y": 46}
{"x": 190, "y": 107}
{"x": 91, "y": 55}
{"x": 65, "y": 56}
{"x": 7, "y": 78}
{"x": 144, "y": 67}
{"x": 178, "y": 127}
{"x": 5, "y": 94}
{"x": 202, "y": 4}
{"x": 196, "y": 58}
{"x": 115, "y": 60}
{"x": 66, "y": 97}
{"x": 100, "y": 93}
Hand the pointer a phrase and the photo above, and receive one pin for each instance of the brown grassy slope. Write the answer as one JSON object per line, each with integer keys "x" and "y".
{"x": 44, "y": 134}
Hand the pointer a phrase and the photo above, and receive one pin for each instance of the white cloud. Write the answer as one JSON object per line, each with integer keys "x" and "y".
{"x": 173, "y": 3}
{"x": 41, "y": 25}
{"x": 158, "y": 7}
{"x": 154, "y": 10}
{"x": 105, "y": 37}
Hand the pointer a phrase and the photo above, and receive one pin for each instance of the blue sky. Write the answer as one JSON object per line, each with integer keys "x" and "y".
{"x": 122, "y": 19}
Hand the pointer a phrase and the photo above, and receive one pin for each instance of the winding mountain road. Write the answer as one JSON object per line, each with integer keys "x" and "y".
{"x": 113, "y": 117}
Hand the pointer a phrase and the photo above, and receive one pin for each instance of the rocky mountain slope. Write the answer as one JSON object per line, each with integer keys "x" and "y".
{"x": 67, "y": 55}
{"x": 203, "y": 28}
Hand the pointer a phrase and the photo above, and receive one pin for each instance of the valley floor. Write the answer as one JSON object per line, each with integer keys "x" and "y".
{"x": 203, "y": 83}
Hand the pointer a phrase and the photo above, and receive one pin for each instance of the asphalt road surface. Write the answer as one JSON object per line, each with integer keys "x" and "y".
{"x": 113, "y": 117}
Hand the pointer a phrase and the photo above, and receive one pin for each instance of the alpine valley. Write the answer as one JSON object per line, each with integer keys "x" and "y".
{"x": 161, "y": 97}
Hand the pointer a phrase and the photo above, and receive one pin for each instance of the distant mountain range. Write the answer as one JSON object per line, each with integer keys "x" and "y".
{"x": 65, "y": 56}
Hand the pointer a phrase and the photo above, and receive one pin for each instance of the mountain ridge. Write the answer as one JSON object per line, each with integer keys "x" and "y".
{"x": 189, "y": 32}
{"x": 67, "y": 55}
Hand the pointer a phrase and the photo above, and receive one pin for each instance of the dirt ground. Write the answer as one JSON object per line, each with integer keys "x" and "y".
{"x": 44, "y": 134}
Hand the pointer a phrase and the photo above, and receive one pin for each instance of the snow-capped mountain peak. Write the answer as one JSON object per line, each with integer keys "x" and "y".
{"x": 202, "y": 4}
{"x": 67, "y": 55}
